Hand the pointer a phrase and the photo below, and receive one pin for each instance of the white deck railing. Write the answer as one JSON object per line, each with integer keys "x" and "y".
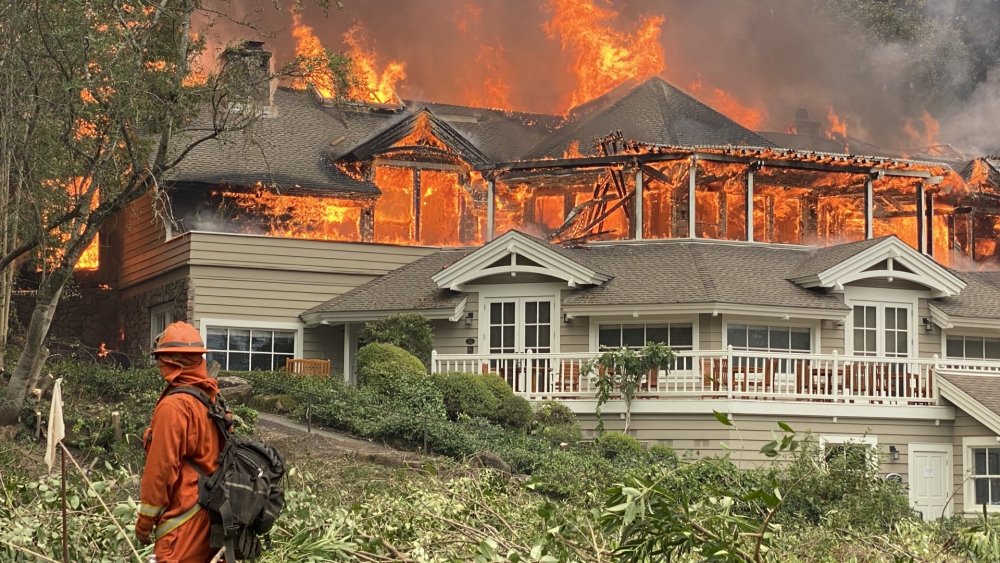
{"x": 728, "y": 374}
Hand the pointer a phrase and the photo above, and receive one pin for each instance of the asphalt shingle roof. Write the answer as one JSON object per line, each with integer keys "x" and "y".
{"x": 404, "y": 289}
{"x": 979, "y": 299}
{"x": 661, "y": 272}
{"x": 299, "y": 145}
{"x": 822, "y": 259}
{"x": 652, "y": 112}
{"x": 291, "y": 151}
{"x": 984, "y": 389}
{"x": 679, "y": 271}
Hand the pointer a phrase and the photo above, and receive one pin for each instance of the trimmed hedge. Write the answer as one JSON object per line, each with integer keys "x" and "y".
{"x": 466, "y": 394}
{"x": 410, "y": 332}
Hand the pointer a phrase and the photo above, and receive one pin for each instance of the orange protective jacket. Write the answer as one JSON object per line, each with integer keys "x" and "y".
{"x": 181, "y": 434}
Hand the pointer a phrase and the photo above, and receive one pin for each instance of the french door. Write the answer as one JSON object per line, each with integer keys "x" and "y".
{"x": 882, "y": 329}
{"x": 517, "y": 326}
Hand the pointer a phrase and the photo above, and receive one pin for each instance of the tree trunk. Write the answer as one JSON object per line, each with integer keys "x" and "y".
{"x": 49, "y": 292}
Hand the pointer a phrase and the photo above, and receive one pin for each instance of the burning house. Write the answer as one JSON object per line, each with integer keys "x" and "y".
{"x": 814, "y": 277}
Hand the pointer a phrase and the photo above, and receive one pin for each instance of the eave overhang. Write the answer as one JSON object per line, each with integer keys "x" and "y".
{"x": 542, "y": 260}
{"x": 967, "y": 403}
{"x": 647, "y": 309}
{"x": 916, "y": 267}
{"x": 946, "y": 321}
{"x": 333, "y": 318}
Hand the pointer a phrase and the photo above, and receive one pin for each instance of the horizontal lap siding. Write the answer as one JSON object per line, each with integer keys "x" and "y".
{"x": 450, "y": 337}
{"x": 325, "y": 342}
{"x": 141, "y": 233}
{"x": 929, "y": 343}
{"x": 965, "y": 426}
{"x": 831, "y": 338}
{"x": 281, "y": 296}
{"x": 710, "y": 332}
{"x": 574, "y": 336}
{"x": 163, "y": 257}
{"x": 704, "y": 435}
{"x": 237, "y": 251}
{"x": 275, "y": 280}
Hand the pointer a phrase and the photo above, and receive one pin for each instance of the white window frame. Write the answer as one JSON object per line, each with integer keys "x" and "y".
{"x": 596, "y": 322}
{"x": 645, "y": 324}
{"x": 861, "y": 439}
{"x": 968, "y": 470}
{"x": 520, "y": 292}
{"x": 814, "y": 327}
{"x": 163, "y": 308}
{"x": 945, "y": 335}
{"x": 298, "y": 328}
{"x": 882, "y": 298}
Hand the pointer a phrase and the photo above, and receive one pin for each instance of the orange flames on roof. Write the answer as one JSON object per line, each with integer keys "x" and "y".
{"x": 315, "y": 59}
{"x": 603, "y": 57}
{"x": 836, "y": 127}
{"x": 311, "y": 217}
{"x": 368, "y": 85}
{"x": 926, "y": 134}
{"x": 371, "y": 85}
{"x": 727, "y": 104}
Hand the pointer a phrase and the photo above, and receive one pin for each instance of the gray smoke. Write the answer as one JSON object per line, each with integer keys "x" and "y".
{"x": 880, "y": 64}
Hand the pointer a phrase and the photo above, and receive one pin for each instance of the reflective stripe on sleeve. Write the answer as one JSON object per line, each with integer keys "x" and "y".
{"x": 150, "y": 510}
{"x": 168, "y": 526}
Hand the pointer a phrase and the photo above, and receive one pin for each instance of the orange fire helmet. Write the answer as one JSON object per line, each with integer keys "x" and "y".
{"x": 179, "y": 337}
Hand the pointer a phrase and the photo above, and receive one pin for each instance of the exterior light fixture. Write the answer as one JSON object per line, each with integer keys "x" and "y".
{"x": 894, "y": 453}
{"x": 468, "y": 319}
{"x": 928, "y": 325}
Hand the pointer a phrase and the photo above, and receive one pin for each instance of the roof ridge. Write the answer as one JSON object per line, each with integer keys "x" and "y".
{"x": 711, "y": 290}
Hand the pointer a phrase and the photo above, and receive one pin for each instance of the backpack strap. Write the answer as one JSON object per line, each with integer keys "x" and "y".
{"x": 216, "y": 409}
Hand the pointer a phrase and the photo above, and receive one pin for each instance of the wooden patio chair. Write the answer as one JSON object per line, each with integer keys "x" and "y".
{"x": 309, "y": 367}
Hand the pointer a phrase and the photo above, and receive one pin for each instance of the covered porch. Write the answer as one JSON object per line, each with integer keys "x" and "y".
{"x": 730, "y": 374}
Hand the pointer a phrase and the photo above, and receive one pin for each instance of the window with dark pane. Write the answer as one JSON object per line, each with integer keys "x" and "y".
{"x": 986, "y": 468}
{"x": 238, "y": 349}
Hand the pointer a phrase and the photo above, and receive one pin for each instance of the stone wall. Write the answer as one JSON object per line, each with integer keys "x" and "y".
{"x": 84, "y": 319}
{"x": 134, "y": 312}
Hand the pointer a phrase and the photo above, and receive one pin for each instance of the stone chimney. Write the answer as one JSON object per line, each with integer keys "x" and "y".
{"x": 253, "y": 66}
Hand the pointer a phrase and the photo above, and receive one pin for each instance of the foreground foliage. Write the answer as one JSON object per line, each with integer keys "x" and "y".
{"x": 613, "y": 501}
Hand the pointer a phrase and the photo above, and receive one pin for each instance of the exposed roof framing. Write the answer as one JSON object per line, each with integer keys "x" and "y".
{"x": 385, "y": 141}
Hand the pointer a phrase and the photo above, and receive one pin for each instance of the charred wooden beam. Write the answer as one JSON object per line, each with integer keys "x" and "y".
{"x": 637, "y": 222}
{"x": 692, "y": 200}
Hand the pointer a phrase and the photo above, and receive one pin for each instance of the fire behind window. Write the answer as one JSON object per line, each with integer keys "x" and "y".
{"x": 244, "y": 349}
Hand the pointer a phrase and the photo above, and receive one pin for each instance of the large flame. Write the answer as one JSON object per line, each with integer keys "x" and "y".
{"x": 926, "y": 133}
{"x": 370, "y": 84}
{"x": 603, "y": 56}
{"x": 836, "y": 127}
{"x": 314, "y": 58}
{"x": 727, "y": 104}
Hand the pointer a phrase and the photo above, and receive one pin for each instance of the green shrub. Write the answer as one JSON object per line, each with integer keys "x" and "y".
{"x": 552, "y": 413}
{"x": 613, "y": 445}
{"x": 466, "y": 394}
{"x": 571, "y": 474}
{"x": 512, "y": 411}
{"x": 662, "y": 454}
{"x": 398, "y": 379}
{"x": 556, "y": 423}
{"x": 410, "y": 332}
{"x": 249, "y": 418}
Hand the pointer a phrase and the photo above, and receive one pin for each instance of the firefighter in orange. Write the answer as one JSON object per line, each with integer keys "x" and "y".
{"x": 181, "y": 442}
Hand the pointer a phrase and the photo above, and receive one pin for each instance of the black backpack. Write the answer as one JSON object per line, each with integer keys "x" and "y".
{"x": 244, "y": 496}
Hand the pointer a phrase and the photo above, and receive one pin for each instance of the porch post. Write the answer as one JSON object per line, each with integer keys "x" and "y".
{"x": 490, "y": 209}
{"x": 692, "y": 209}
{"x": 749, "y": 204}
{"x": 347, "y": 353}
{"x": 921, "y": 219}
{"x": 638, "y": 204}
{"x": 869, "y": 212}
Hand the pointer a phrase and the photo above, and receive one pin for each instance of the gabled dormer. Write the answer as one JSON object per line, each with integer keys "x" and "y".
{"x": 878, "y": 260}
{"x": 514, "y": 254}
